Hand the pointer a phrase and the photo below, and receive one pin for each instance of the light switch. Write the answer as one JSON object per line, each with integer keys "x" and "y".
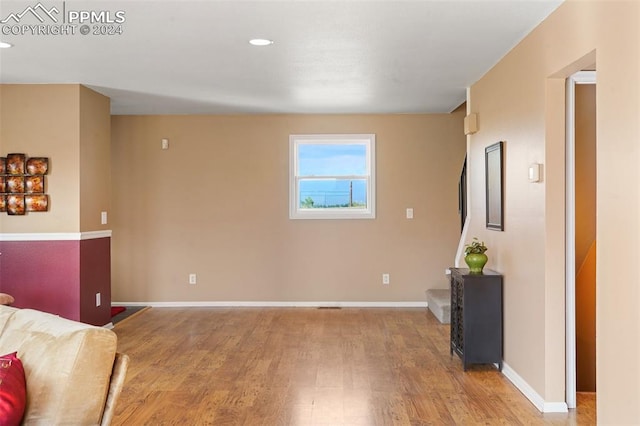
{"x": 103, "y": 218}
{"x": 534, "y": 172}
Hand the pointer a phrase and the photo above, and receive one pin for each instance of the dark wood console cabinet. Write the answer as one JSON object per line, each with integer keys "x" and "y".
{"x": 476, "y": 317}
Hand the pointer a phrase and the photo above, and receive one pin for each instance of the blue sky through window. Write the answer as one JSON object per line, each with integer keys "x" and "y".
{"x": 332, "y": 159}
{"x": 332, "y": 176}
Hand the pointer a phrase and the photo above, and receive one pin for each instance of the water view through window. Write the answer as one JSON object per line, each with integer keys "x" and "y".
{"x": 328, "y": 193}
{"x": 328, "y": 175}
{"x": 332, "y": 176}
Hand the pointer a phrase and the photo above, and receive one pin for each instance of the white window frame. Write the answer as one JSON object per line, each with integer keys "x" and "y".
{"x": 296, "y": 212}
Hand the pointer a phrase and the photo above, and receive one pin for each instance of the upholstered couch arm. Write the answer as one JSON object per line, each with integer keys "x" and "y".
{"x": 73, "y": 373}
{"x": 120, "y": 366}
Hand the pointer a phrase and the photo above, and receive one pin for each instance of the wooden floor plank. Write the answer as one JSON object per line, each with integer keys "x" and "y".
{"x": 305, "y": 366}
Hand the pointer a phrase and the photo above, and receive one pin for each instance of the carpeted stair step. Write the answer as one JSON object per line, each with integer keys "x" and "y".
{"x": 439, "y": 302}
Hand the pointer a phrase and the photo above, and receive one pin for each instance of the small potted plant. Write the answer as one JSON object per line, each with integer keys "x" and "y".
{"x": 474, "y": 256}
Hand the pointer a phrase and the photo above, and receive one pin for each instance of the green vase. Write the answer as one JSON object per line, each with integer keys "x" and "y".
{"x": 476, "y": 262}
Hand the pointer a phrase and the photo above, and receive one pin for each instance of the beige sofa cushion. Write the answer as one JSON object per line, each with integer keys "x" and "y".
{"x": 5, "y": 313}
{"x": 67, "y": 366}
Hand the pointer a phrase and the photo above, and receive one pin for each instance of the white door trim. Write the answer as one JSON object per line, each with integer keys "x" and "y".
{"x": 582, "y": 77}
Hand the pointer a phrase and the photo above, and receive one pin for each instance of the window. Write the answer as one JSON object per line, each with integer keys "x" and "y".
{"x": 332, "y": 177}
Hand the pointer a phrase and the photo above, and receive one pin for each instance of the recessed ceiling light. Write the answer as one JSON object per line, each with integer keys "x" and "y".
{"x": 260, "y": 42}
{"x": 4, "y": 45}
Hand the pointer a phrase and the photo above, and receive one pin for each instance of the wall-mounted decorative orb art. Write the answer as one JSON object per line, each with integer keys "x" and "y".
{"x": 22, "y": 184}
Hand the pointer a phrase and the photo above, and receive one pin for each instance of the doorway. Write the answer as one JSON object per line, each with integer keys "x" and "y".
{"x": 581, "y": 235}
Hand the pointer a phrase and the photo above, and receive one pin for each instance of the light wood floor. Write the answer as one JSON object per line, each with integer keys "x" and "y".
{"x": 306, "y": 366}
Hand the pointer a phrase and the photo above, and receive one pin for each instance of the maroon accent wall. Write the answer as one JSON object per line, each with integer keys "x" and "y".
{"x": 95, "y": 277}
{"x": 42, "y": 275}
{"x": 60, "y": 277}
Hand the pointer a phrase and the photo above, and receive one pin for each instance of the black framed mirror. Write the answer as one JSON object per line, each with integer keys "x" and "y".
{"x": 493, "y": 163}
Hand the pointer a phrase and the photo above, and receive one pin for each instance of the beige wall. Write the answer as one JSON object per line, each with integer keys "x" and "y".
{"x": 43, "y": 120}
{"x": 70, "y": 124}
{"x": 216, "y": 204}
{"x": 95, "y": 159}
{"x": 521, "y": 101}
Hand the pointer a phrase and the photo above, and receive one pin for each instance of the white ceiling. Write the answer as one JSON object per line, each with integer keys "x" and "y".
{"x": 193, "y": 57}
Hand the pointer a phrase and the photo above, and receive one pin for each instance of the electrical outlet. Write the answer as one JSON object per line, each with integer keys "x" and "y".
{"x": 98, "y": 301}
{"x": 103, "y": 218}
{"x": 385, "y": 279}
{"x": 410, "y": 213}
{"x": 193, "y": 279}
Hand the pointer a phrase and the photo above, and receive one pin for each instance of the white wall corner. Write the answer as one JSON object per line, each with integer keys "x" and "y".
{"x": 458, "y": 261}
{"x": 530, "y": 393}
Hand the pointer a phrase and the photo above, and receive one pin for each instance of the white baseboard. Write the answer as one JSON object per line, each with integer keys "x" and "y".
{"x": 259, "y": 304}
{"x": 530, "y": 393}
{"x": 555, "y": 407}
